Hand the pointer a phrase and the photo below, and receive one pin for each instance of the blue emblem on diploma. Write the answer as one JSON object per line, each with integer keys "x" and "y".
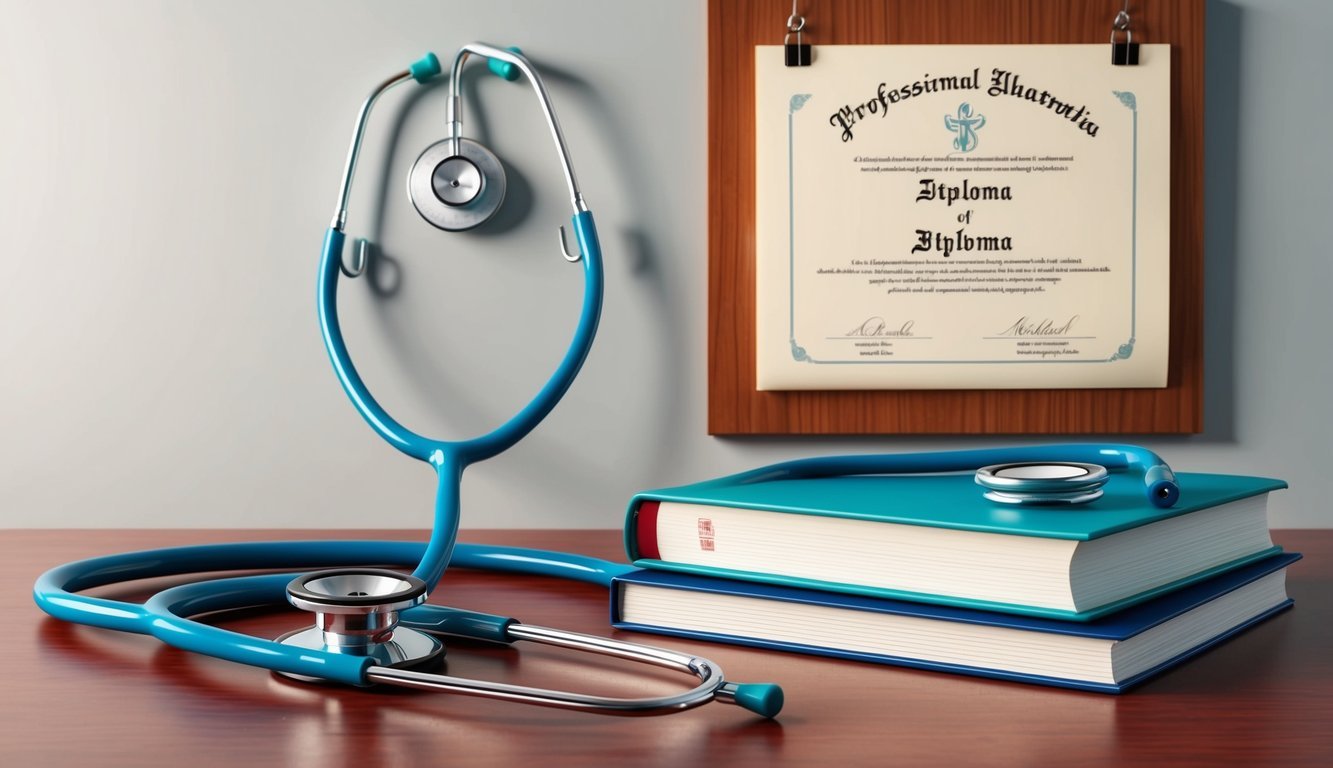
{"x": 966, "y": 125}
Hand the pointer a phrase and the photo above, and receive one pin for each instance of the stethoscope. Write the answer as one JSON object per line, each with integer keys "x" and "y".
{"x": 372, "y": 625}
{"x": 1040, "y": 475}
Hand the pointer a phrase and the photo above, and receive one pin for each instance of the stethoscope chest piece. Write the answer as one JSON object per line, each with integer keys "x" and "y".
{"x": 456, "y": 189}
{"x": 1043, "y": 482}
{"x": 356, "y": 613}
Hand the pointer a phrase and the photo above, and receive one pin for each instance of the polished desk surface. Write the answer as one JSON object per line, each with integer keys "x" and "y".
{"x": 75, "y": 696}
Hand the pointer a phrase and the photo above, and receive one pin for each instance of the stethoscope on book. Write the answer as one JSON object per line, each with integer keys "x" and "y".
{"x": 373, "y": 625}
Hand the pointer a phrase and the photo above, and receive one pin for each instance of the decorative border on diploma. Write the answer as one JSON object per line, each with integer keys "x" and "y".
{"x": 798, "y": 353}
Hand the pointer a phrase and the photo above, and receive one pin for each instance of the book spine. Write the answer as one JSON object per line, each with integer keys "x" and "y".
{"x": 644, "y": 521}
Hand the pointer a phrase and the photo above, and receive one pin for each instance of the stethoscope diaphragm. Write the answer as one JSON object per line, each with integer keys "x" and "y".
{"x": 456, "y": 186}
{"x": 1043, "y": 482}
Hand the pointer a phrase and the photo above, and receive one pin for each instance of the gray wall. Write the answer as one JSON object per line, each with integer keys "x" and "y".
{"x": 167, "y": 170}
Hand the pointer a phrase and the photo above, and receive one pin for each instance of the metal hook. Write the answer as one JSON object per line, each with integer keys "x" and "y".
{"x": 1122, "y": 18}
{"x": 360, "y": 258}
{"x": 570, "y": 257}
{"x": 795, "y": 23}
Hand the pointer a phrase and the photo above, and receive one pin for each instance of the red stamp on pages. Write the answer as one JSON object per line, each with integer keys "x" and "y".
{"x": 705, "y": 534}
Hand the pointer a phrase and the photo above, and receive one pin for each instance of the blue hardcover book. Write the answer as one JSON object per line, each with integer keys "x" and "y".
{"x": 1108, "y": 655}
{"x": 934, "y": 538}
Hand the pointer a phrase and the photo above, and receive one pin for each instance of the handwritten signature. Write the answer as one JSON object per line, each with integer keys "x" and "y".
{"x": 878, "y": 327}
{"x": 1044, "y": 327}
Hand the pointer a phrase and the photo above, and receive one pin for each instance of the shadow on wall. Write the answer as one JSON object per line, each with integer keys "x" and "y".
{"x": 1221, "y": 153}
{"x": 644, "y": 263}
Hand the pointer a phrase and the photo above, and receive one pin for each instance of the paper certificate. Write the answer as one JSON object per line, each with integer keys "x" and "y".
{"x": 962, "y": 217}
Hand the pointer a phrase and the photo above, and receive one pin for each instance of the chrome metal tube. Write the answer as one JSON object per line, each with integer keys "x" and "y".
{"x": 548, "y": 111}
{"x": 711, "y": 681}
{"x": 647, "y": 654}
{"x": 354, "y": 150}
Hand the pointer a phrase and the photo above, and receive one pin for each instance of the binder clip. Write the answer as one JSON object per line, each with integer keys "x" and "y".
{"x": 1123, "y": 54}
{"x": 796, "y": 54}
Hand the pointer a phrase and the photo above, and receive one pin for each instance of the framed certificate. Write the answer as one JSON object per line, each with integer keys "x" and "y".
{"x": 955, "y": 217}
{"x": 948, "y": 259}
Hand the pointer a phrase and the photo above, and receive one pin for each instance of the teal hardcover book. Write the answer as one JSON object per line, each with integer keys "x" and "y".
{"x": 934, "y": 538}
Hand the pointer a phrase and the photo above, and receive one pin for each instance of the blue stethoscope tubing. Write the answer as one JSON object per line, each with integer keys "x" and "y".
{"x": 450, "y": 458}
{"x": 165, "y": 615}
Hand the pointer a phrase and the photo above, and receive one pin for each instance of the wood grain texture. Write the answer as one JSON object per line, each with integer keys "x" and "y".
{"x": 75, "y": 696}
{"x": 736, "y": 407}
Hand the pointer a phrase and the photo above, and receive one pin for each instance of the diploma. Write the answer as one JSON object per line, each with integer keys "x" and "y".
{"x": 962, "y": 217}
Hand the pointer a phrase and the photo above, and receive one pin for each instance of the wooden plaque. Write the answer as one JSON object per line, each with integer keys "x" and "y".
{"x": 734, "y": 404}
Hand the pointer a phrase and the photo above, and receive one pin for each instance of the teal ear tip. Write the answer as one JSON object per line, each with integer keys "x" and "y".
{"x": 503, "y": 68}
{"x": 425, "y": 68}
{"x": 764, "y": 699}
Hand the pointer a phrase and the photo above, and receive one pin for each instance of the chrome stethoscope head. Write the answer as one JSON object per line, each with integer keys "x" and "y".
{"x": 357, "y": 614}
{"x": 1053, "y": 483}
{"x": 457, "y": 184}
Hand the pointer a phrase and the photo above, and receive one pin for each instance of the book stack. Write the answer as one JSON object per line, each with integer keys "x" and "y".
{"x": 921, "y": 571}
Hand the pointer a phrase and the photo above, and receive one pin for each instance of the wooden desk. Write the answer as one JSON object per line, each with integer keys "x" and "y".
{"x": 75, "y": 696}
